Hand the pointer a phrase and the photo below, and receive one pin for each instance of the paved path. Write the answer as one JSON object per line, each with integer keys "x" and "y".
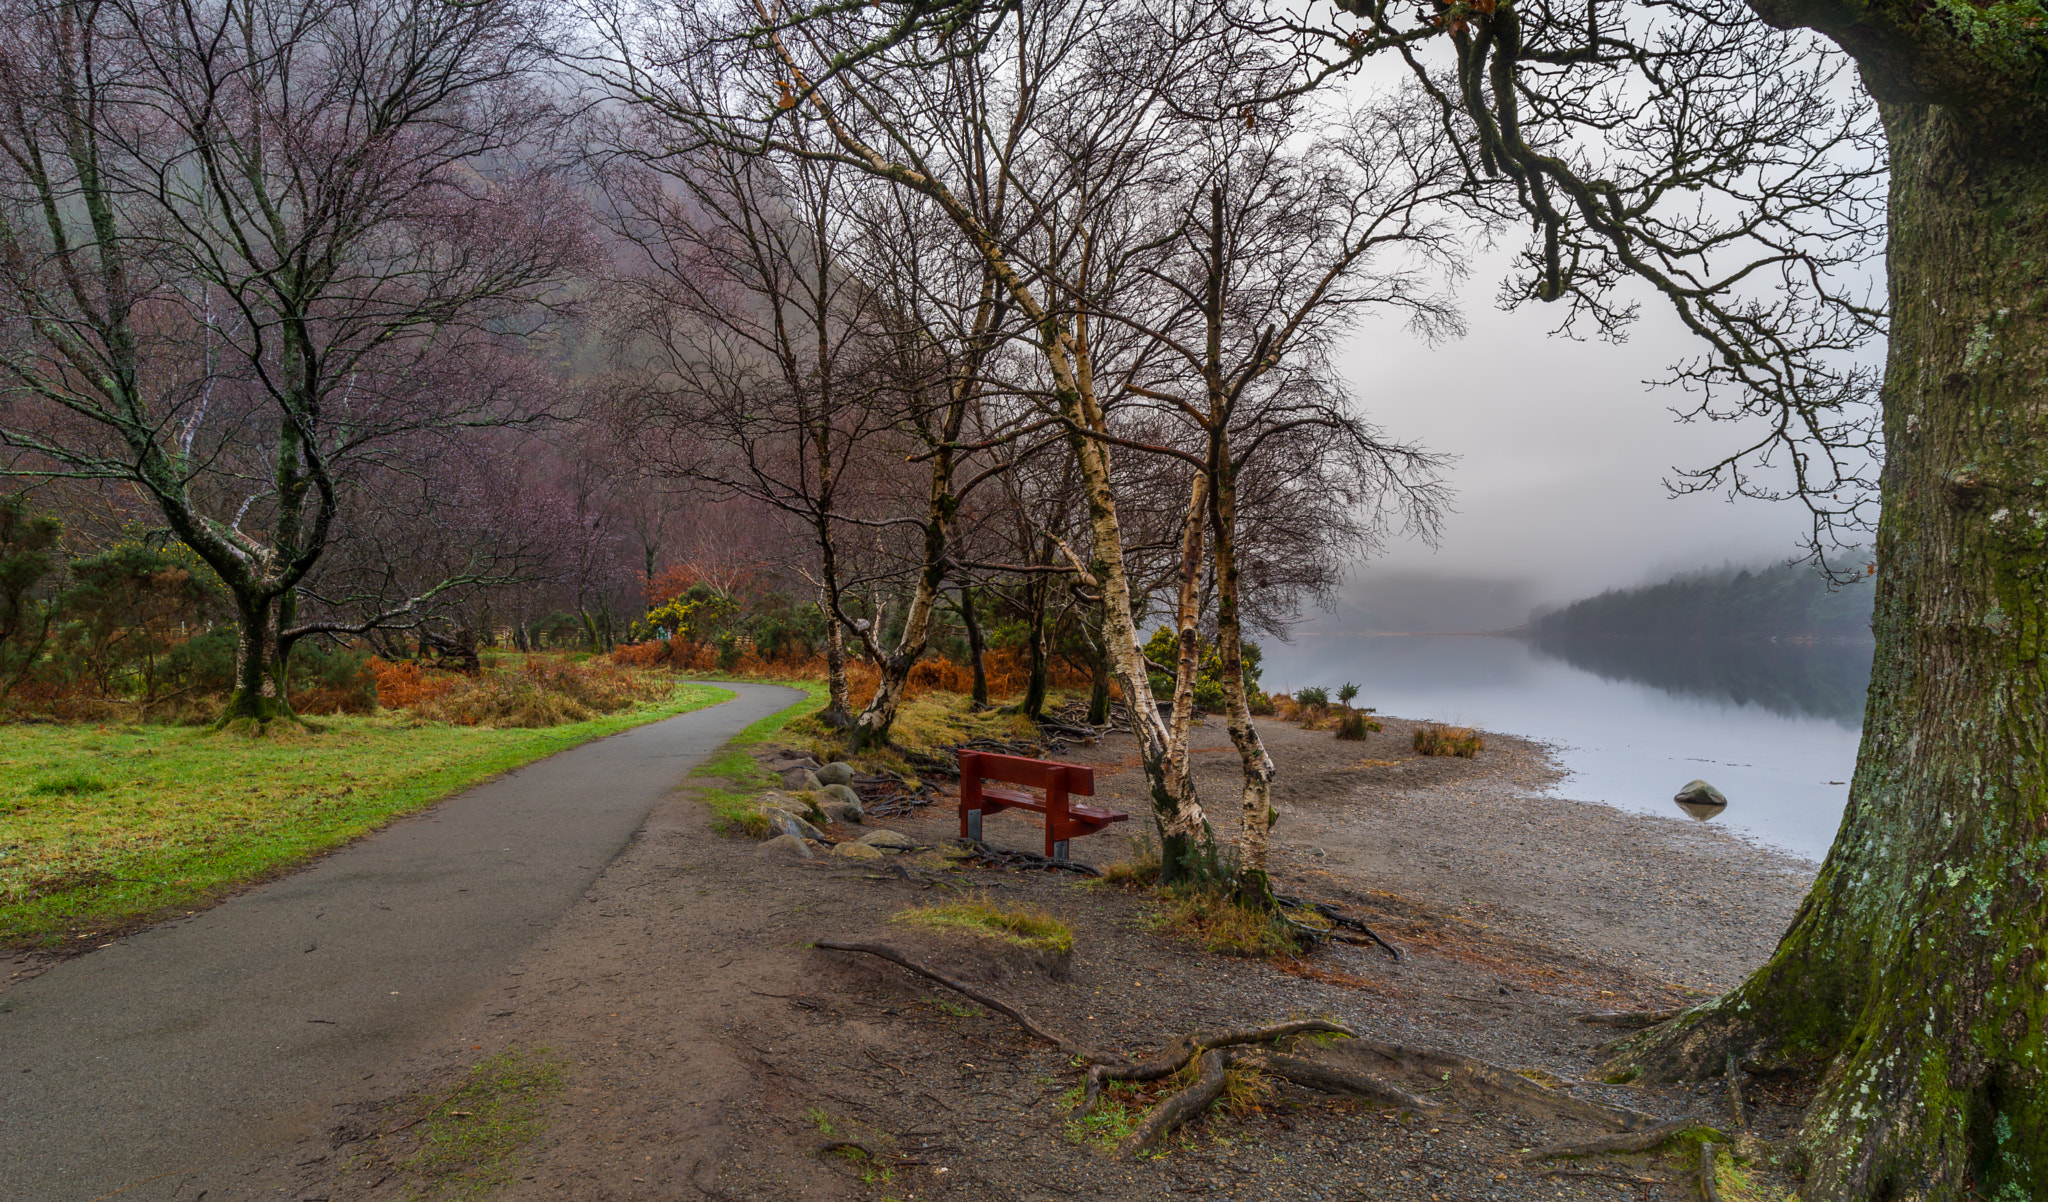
{"x": 180, "y": 1052}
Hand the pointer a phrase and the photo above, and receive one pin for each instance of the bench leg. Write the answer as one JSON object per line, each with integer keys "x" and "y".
{"x": 1059, "y": 851}
{"x": 974, "y": 825}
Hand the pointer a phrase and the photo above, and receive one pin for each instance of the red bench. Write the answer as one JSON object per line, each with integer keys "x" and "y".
{"x": 1064, "y": 820}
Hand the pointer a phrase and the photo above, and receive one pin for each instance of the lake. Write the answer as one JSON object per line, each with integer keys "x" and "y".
{"x": 1773, "y": 726}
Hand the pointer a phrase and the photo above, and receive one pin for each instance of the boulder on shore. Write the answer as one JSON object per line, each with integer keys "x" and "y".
{"x": 840, "y": 773}
{"x": 783, "y": 845}
{"x": 1700, "y": 793}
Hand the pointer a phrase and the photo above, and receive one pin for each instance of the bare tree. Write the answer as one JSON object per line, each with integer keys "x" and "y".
{"x": 244, "y": 243}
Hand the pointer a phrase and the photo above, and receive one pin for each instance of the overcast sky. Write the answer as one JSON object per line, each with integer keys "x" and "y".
{"x": 1563, "y": 453}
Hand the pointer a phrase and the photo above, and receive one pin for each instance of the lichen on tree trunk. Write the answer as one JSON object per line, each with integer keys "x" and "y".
{"x": 1914, "y": 970}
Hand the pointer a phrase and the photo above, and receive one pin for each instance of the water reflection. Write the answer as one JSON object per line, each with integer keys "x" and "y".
{"x": 1773, "y": 726}
{"x": 1825, "y": 680}
{"x": 1702, "y": 810}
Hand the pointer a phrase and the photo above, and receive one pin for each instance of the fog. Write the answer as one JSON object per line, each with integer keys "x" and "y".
{"x": 1563, "y": 451}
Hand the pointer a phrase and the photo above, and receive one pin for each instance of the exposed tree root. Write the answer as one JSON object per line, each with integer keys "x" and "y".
{"x": 1338, "y": 918}
{"x": 1626, "y": 1141}
{"x": 1331, "y": 1079}
{"x": 1069, "y": 1046}
{"x": 1633, "y": 1019}
{"x": 1178, "y": 1108}
{"x": 1187, "y": 1047}
{"x": 1507, "y": 1081}
{"x": 1216, "y": 1053}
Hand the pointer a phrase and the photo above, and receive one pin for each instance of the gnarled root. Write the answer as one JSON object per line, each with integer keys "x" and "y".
{"x": 1162, "y": 1120}
{"x": 1694, "y": 1044}
{"x": 1187, "y": 1047}
{"x": 1069, "y": 1046}
{"x": 1331, "y": 1079}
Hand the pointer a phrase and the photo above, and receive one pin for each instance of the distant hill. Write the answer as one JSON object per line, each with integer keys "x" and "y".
{"x": 1777, "y": 602}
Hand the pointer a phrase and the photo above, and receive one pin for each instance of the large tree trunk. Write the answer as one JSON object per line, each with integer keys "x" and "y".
{"x": 839, "y": 699}
{"x": 258, "y": 693}
{"x": 1915, "y": 968}
{"x": 1187, "y": 638}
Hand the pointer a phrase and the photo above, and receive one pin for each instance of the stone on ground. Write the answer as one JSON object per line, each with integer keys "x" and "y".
{"x": 836, "y": 774}
{"x": 857, "y": 851}
{"x": 1700, "y": 793}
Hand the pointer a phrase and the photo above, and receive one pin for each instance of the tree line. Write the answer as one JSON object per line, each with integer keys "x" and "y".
{"x": 1779, "y": 601}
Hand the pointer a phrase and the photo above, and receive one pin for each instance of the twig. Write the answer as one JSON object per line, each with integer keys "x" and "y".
{"x": 1736, "y": 1102}
{"x": 1187, "y": 1047}
{"x": 1004, "y": 857}
{"x": 1627, "y": 1141}
{"x": 1338, "y": 917}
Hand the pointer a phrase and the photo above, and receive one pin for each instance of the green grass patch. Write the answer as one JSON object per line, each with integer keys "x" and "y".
{"x": 470, "y": 1141}
{"x": 1026, "y": 926}
{"x": 104, "y": 826}
{"x": 770, "y": 726}
{"x": 732, "y": 804}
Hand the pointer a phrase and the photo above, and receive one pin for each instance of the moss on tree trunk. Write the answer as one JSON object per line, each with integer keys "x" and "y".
{"x": 1914, "y": 971}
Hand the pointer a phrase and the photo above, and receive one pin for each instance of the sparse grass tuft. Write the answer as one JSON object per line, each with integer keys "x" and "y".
{"x": 1356, "y": 724}
{"x": 1434, "y": 739}
{"x": 1217, "y": 921}
{"x": 1115, "y": 1116}
{"x": 732, "y": 809}
{"x": 1025, "y": 926}
{"x": 1138, "y": 869}
{"x": 470, "y": 1141}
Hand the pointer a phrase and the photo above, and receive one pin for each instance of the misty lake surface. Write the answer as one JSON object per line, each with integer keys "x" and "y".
{"x": 1773, "y": 726}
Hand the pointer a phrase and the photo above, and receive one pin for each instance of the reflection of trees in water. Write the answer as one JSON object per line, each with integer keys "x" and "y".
{"x": 1826, "y": 680}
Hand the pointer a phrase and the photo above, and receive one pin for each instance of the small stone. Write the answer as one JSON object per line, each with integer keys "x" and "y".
{"x": 841, "y": 811}
{"x": 888, "y": 838}
{"x": 843, "y": 794}
{"x": 857, "y": 851}
{"x": 1700, "y": 793}
{"x": 790, "y": 824}
{"x": 836, "y": 774}
{"x": 810, "y": 782}
{"x": 782, "y": 845}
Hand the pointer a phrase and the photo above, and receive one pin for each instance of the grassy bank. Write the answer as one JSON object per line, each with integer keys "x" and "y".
{"x": 102, "y": 826}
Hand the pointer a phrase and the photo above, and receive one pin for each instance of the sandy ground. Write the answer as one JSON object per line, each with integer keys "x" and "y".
{"x": 712, "y": 1047}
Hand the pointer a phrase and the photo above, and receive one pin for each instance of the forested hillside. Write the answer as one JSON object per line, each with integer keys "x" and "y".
{"x": 1776, "y": 602}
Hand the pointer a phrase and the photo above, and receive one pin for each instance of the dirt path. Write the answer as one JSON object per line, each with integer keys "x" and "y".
{"x": 174, "y": 1056}
{"x": 714, "y": 1054}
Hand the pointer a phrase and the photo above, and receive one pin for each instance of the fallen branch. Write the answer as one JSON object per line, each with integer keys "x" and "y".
{"x": 1627, "y": 1141}
{"x": 1507, "y": 1081}
{"x": 994, "y": 1003}
{"x": 1178, "y": 1108}
{"x": 1709, "y": 1178}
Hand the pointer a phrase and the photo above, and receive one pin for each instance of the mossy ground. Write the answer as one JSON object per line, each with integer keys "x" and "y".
{"x": 102, "y": 826}
{"x": 1026, "y": 926}
{"x": 470, "y": 1140}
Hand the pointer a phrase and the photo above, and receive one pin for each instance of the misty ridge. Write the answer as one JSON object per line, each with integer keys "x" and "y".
{"x": 1775, "y": 603}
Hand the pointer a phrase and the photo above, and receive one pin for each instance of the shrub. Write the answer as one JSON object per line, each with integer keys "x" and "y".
{"x": 1211, "y": 915}
{"x": 1259, "y": 703}
{"x": 1434, "y": 739}
{"x": 325, "y": 679}
{"x": 1356, "y": 724}
{"x": 1312, "y": 697}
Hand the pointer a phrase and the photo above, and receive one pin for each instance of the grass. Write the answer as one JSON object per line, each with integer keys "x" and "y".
{"x": 1219, "y": 923}
{"x": 1025, "y": 926}
{"x": 103, "y": 826}
{"x": 732, "y": 805}
{"x": 470, "y": 1140}
{"x": 1433, "y": 738}
{"x": 732, "y": 808}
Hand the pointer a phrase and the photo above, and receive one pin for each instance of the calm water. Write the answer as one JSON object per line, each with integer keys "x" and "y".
{"x": 1773, "y": 726}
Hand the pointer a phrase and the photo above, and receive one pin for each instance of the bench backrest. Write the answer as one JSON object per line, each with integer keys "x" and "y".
{"x": 1034, "y": 774}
